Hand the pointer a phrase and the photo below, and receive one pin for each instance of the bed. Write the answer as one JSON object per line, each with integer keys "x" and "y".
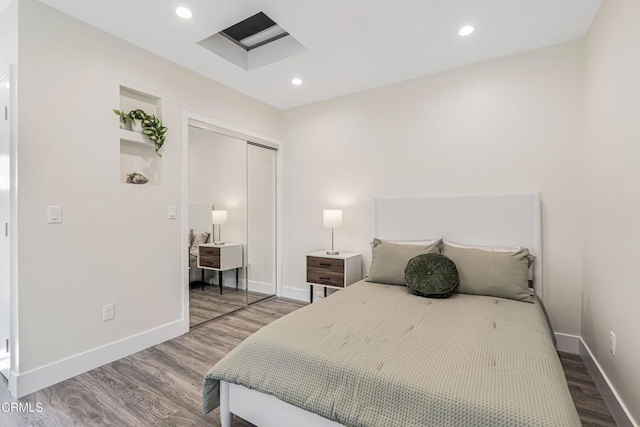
{"x": 376, "y": 355}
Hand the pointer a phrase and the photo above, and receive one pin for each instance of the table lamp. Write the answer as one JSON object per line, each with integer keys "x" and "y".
{"x": 332, "y": 219}
{"x": 218, "y": 217}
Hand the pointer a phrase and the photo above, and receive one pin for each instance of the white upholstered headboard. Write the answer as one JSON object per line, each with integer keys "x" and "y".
{"x": 200, "y": 216}
{"x": 477, "y": 220}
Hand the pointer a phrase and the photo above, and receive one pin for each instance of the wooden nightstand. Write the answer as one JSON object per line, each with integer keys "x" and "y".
{"x": 333, "y": 271}
{"x": 221, "y": 258}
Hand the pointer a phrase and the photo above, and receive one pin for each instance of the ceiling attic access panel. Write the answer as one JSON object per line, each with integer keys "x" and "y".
{"x": 253, "y": 42}
{"x": 254, "y": 32}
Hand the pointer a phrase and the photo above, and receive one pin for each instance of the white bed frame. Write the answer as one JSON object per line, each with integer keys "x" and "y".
{"x": 487, "y": 221}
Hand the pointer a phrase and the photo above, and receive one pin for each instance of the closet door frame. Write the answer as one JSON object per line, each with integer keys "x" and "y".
{"x": 201, "y": 122}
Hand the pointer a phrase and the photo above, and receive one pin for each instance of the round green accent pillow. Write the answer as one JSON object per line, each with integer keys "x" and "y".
{"x": 432, "y": 276}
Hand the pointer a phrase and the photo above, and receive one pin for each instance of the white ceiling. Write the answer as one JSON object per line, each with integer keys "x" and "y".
{"x": 352, "y": 44}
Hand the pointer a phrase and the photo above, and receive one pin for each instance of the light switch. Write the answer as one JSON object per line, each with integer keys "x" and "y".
{"x": 54, "y": 214}
{"x": 173, "y": 212}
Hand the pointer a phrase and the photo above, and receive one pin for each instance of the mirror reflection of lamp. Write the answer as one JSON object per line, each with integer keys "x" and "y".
{"x": 332, "y": 219}
{"x": 218, "y": 217}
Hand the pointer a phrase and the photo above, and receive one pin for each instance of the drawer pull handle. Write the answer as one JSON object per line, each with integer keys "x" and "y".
{"x": 325, "y": 264}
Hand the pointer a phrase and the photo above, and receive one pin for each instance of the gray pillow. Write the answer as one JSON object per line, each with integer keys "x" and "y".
{"x": 389, "y": 260}
{"x": 497, "y": 274}
{"x": 431, "y": 276}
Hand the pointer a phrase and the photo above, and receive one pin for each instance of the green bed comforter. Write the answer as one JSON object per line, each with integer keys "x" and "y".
{"x": 375, "y": 355}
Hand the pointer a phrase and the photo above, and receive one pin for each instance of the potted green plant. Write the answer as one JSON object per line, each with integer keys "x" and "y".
{"x": 136, "y": 117}
{"x": 155, "y": 131}
{"x": 150, "y": 126}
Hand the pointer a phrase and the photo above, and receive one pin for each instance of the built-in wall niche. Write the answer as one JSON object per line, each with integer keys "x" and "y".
{"x": 137, "y": 152}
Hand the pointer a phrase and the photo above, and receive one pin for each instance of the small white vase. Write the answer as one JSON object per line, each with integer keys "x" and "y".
{"x": 123, "y": 125}
{"x": 136, "y": 126}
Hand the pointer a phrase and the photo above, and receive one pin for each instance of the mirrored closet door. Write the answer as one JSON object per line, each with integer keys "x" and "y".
{"x": 261, "y": 215}
{"x": 232, "y": 217}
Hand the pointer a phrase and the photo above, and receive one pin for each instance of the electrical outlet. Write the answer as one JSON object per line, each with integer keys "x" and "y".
{"x": 612, "y": 343}
{"x": 108, "y": 312}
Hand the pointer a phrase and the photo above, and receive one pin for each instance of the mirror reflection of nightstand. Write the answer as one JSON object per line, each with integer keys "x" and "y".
{"x": 221, "y": 258}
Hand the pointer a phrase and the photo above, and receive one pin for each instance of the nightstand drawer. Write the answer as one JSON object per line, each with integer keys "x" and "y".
{"x": 221, "y": 257}
{"x": 210, "y": 261}
{"x": 209, "y": 251}
{"x": 209, "y": 257}
{"x": 335, "y": 271}
{"x": 325, "y": 264}
{"x": 324, "y": 277}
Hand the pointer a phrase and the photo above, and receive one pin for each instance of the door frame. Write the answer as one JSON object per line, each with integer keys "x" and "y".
{"x": 8, "y": 74}
{"x": 202, "y": 122}
{"x": 5, "y": 80}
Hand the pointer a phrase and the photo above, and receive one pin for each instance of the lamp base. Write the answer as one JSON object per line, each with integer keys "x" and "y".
{"x": 333, "y": 252}
{"x": 219, "y": 243}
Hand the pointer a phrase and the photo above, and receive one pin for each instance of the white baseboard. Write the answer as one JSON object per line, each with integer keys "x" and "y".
{"x": 39, "y": 378}
{"x": 260, "y": 287}
{"x": 295, "y": 293}
{"x": 567, "y": 343}
{"x": 618, "y": 409}
{"x": 12, "y": 384}
{"x": 575, "y": 345}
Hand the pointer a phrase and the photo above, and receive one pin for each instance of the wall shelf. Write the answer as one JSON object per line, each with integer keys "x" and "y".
{"x": 135, "y": 138}
{"x": 137, "y": 152}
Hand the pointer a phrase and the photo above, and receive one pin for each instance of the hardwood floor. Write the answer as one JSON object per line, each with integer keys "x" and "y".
{"x": 207, "y": 304}
{"x": 162, "y": 386}
{"x": 591, "y": 408}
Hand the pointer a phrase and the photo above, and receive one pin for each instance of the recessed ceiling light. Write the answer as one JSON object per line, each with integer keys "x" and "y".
{"x": 184, "y": 13}
{"x": 465, "y": 31}
{"x": 296, "y": 82}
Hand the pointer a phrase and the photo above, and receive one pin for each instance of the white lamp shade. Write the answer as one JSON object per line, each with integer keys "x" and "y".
{"x": 332, "y": 218}
{"x": 218, "y": 217}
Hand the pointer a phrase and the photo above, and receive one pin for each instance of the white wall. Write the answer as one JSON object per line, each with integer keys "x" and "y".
{"x": 611, "y": 196}
{"x": 218, "y": 175}
{"x": 506, "y": 126}
{"x": 116, "y": 243}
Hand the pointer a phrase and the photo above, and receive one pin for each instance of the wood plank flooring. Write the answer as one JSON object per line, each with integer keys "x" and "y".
{"x": 207, "y": 304}
{"x": 162, "y": 386}
{"x": 591, "y": 408}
